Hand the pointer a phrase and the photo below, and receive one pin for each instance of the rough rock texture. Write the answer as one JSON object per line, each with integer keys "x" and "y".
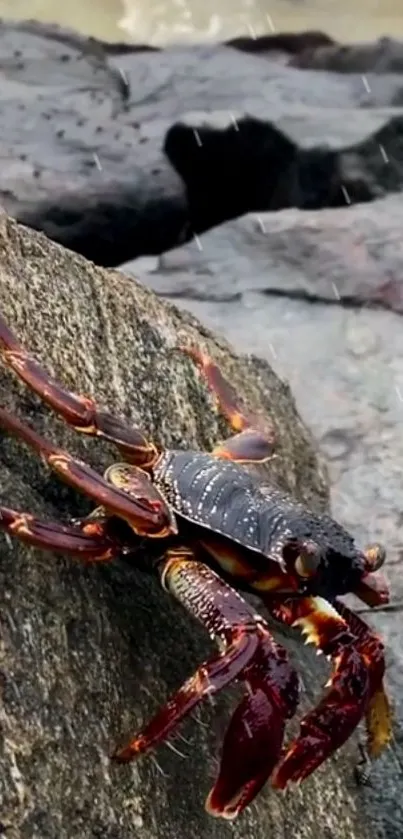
{"x": 87, "y": 653}
{"x": 85, "y": 124}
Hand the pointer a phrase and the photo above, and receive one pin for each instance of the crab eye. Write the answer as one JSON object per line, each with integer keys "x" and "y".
{"x": 375, "y": 556}
{"x": 308, "y": 560}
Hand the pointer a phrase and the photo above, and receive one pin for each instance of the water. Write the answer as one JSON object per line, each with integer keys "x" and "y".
{"x": 159, "y": 21}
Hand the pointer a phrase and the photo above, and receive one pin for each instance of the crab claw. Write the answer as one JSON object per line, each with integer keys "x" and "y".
{"x": 331, "y": 723}
{"x": 254, "y": 738}
{"x": 251, "y": 748}
{"x": 373, "y": 589}
{"x": 355, "y": 689}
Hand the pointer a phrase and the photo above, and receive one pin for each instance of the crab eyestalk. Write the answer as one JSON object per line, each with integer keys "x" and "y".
{"x": 375, "y": 556}
{"x": 373, "y": 588}
{"x": 308, "y": 559}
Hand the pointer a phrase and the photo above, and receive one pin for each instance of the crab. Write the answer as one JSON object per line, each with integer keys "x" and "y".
{"x": 220, "y": 529}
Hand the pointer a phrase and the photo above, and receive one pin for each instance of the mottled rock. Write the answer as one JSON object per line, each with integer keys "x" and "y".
{"x": 84, "y": 125}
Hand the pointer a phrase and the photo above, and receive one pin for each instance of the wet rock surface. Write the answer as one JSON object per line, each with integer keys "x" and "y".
{"x": 100, "y": 151}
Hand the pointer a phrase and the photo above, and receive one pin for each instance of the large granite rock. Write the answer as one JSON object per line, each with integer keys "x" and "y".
{"x": 94, "y": 152}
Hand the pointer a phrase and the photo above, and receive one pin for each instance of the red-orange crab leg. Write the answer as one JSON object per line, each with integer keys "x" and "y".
{"x": 247, "y": 651}
{"x": 254, "y": 442}
{"x": 378, "y": 715}
{"x": 144, "y": 510}
{"x": 81, "y": 412}
{"x": 330, "y": 724}
{"x": 89, "y": 541}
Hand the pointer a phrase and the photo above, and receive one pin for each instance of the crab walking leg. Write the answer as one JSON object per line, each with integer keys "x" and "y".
{"x": 146, "y": 512}
{"x": 255, "y": 440}
{"x": 378, "y": 715}
{"x": 254, "y": 738}
{"x": 330, "y": 724}
{"x": 90, "y": 541}
{"x": 80, "y": 412}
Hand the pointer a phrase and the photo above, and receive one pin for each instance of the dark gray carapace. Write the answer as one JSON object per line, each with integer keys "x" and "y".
{"x": 226, "y": 498}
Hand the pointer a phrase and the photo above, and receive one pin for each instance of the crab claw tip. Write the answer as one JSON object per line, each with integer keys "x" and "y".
{"x": 229, "y": 812}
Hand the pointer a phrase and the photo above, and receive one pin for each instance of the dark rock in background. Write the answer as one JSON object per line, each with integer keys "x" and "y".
{"x": 290, "y": 43}
{"x": 247, "y": 164}
{"x": 382, "y": 56}
{"x": 84, "y": 126}
{"x": 238, "y": 165}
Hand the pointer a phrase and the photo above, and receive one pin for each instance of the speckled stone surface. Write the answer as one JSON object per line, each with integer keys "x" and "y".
{"x": 86, "y": 654}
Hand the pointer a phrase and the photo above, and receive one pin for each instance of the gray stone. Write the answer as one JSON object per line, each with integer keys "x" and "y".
{"x": 352, "y": 255}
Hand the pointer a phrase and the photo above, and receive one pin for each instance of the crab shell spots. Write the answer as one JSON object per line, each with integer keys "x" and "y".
{"x": 224, "y": 497}
{"x": 221, "y": 496}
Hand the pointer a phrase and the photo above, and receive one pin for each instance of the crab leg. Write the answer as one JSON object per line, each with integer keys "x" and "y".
{"x": 90, "y": 541}
{"x": 80, "y": 412}
{"x": 254, "y": 442}
{"x": 247, "y": 651}
{"x": 145, "y": 511}
{"x": 378, "y": 715}
{"x": 358, "y": 666}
